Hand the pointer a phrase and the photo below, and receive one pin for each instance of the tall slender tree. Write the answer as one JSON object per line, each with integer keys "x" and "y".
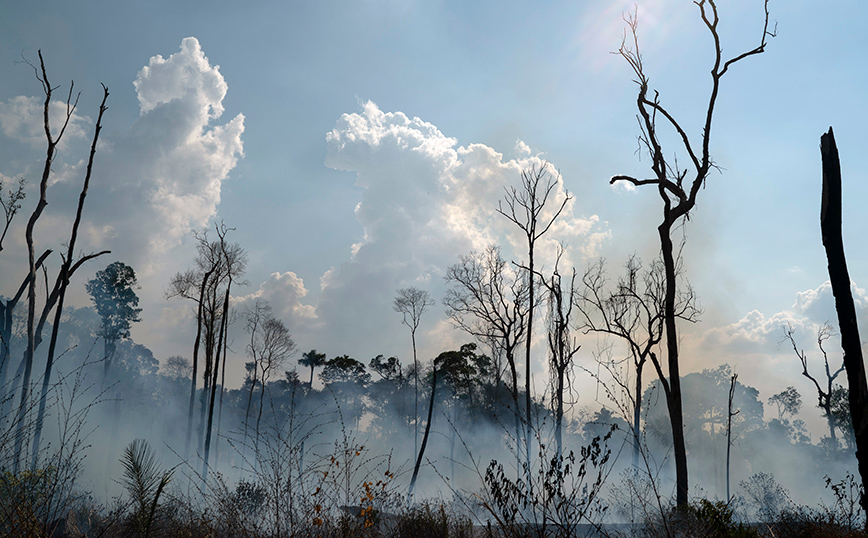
{"x": 562, "y": 345}
{"x": 526, "y": 208}
{"x": 10, "y": 205}
{"x": 678, "y": 190}
{"x": 411, "y": 303}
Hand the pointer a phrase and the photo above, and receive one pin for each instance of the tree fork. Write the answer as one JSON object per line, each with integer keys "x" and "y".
{"x": 833, "y": 242}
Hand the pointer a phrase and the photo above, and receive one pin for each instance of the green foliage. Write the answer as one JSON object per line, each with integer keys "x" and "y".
{"x": 788, "y": 402}
{"x": 144, "y": 481}
{"x": 345, "y": 369}
{"x": 388, "y": 369}
{"x": 25, "y": 498}
{"x": 250, "y": 497}
{"x": 113, "y": 294}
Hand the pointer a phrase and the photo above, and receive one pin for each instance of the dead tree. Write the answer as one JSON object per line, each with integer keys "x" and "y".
{"x": 6, "y": 317}
{"x": 633, "y": 312}
{"x": 411, "y": 303}
{"x": 234, "y": 262}
{"x": 562, "y": 345}
{"x": 678, "y": 189}
{"x": 489, "y": 303}
{"x": 200, "y": 285}
{"x": 421, "y": 454}
{"x": 824, "y": 395}
{"x": 526, "y": 208}
{"x": 833, "y": 242}
{"x": 66, "y": 271}
{"x": 729, "y": 414}
{"x": 270, "y": 345}
{"x": 55, "y": 297}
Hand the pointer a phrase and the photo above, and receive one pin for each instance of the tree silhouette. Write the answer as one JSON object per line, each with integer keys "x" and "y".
{"x": 412, "y": 303}
{"x": 113, "y": 292}
{"x": 678, "y": 189}
{"x": 312, "y": 360}
{"x": 839, "y": 277}
{"x": 68, "y": 267}
{"x": 824, "y": 393}
{"x": 489, "y": 302}
{"x": 526, "y": 208}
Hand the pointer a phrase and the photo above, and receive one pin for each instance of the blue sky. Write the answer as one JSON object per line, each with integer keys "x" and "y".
{"x": 307, "y": 140}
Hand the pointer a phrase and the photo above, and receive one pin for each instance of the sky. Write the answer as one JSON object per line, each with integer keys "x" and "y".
{"x": 361, "y": 147}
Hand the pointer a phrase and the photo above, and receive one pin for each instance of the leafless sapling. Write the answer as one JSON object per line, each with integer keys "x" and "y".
{"x": 562, "y": 344}
{"x": 411, "y": 303}
{"x": 729, "y": 414}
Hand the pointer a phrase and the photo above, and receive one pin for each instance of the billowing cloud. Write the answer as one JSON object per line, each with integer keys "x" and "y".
{"x": 284, "y": 293}
{"x": 152, "y": 184}
{"x": 162, "y": 178}
{"x": 757, "y": 332}
{"x": 426, "y": 200}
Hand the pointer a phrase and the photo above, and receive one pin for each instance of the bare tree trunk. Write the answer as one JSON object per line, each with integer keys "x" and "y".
{"x": 222, "y": 386}
{"x": 637, "y": 415}
{"x": 216, "y": 371}
{"x": 210, "y": 337}
{"x": 528, "y": 433}
{"x": 63, "y": 278}
{"x": 673, "y": 395}
{"x": 416, "y": 402}
{"x": 830, "y": 224}
{"x": 559, "y": 415}
{"x": 6, "y": 314}
{"x": 424, "y": 437}
{"x": 196, "y": 344}
{"x": 31, "y": 223}
{"x": 729, "y": 415}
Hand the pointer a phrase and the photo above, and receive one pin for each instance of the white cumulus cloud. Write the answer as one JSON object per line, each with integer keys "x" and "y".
{"x": 426, "y": 201}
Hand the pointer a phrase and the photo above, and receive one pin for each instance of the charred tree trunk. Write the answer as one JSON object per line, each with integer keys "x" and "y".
{"x": 673, "y": 395}
{"x": 425, "y": 436}
{"x": 65, "y": 273}
{"x": 637, "y": 415}
{"x": 729, "y": 415}
{"x": 216, "y": 371}
{"x": 196, "y": 343}
{"x": 830, "y": 224}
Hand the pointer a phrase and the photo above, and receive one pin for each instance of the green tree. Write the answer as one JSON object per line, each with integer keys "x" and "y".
{"x": 347, "y": 379}
{"x": 345, "y": 369}
{"x": 312, "y": 359}
{"x": 113, "y": 292}
{"x": 787, "y": 401}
